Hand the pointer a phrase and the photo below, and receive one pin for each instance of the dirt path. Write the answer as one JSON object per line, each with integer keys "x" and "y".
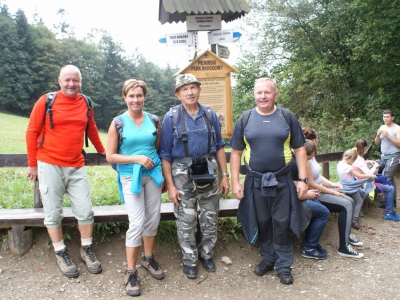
{"x": 36, "y": 276}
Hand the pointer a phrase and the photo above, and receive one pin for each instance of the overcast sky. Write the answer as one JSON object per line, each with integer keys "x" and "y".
{"x": 133, "y": 23}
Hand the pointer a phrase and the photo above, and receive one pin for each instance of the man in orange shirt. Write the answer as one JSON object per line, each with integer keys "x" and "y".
{"x": 55, "y": 159}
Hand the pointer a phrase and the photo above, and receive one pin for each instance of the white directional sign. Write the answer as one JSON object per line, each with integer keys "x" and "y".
{"x": 223, "y": 51}
{"x": 221, "y": 36}
{"x": 203, "y": 22}
{"x": 181, "y": 39}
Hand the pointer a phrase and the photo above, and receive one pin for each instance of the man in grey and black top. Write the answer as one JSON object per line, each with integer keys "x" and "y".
{"x": 388, "y": 137}
{"x": 191, "y": 149}
{"x": 269, "y": 205}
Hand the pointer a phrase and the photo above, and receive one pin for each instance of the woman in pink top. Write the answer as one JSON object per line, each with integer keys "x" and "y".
{"x": 361, "y": 165}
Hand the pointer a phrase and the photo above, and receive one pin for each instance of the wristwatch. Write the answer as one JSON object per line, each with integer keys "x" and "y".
{"x": 305, "y": 180}
{"x": 225, "y": 174}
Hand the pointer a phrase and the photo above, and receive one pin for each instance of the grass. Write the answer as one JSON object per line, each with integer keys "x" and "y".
{"x": 12, "y": 135}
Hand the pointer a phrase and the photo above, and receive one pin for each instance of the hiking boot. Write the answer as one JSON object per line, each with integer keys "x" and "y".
{"x": 132, "y": 283}
{"x": 313, "y": 253}
{"x": 190, "y": 272}
{"x": 262, "y": 268}
{"x": 208, "y": 264}
{"x": 347, "y": 251}
{"x": 286, "y": 277}
{"x": 353, "y": 241}
{"x": 66, "y": 265}
{"x": 382, "y": 204}
{"x": 152, "y": 267}
{"x": 87, "y": 256}
{"x": 392, "y": 217}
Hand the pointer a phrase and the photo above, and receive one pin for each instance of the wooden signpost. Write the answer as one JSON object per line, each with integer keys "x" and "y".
{"x": 216, "y": 88}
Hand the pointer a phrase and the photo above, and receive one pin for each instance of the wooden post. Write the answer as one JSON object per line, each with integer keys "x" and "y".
{"x": 325, "y": 166}
{"x": 37, "y": 201}
{"x": 214, "y": 48}
{"x": 20, "y": 239}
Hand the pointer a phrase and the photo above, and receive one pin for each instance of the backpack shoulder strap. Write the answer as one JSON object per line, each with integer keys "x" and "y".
{"x": 89, "y": 105}
{"x": 209, "y": 115}
{"x": 287, "y": 114}
{"x": 49, "y": 108}
{"x": 175, "y": 114}
{"x": 245, "y": 119}
{"x": 155, "y": 120}
{"x": 119, "y": 126}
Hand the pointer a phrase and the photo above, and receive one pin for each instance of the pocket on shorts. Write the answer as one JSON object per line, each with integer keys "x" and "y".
{"x": 43, "y": 188}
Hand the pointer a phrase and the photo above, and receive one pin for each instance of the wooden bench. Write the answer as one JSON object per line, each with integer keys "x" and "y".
{"x": 20, "y": 221}
{"x": 34, "y": 217}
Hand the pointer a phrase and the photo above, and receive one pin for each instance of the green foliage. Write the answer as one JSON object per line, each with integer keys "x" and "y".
{"x": 16, "y": 190}
{"x": 3, "y": 239}
{"x": 228, "y": 228}
{"x": 103, "y": 231}
{"x": 335, "y": 62}
{"x": 166, "y": 233}
{"x": 15, "y": 80}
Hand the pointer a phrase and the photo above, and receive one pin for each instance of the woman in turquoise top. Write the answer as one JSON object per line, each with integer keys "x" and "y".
{"x": 140, "y": 180}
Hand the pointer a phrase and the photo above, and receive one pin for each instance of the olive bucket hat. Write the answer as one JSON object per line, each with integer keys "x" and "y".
{"x": 184, "y": 79}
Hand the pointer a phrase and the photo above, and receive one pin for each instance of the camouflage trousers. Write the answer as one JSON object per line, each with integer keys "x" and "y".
{"x": 196, "y": 205}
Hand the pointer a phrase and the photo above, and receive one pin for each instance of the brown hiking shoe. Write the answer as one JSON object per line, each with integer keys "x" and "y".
{"x": 66, "y": 265}
{"x": 132, "y": 283}
{"x": 87, "y": 256}
{"x": 152, "y": 266}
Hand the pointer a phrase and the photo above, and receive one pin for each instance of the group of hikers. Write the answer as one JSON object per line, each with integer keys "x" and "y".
{"x": 184, "y": 156}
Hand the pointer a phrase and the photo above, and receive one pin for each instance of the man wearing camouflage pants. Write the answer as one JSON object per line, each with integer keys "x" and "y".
{"x": 191, "y": 149}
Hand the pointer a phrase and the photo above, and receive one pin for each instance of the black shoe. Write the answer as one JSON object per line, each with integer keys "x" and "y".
{"x": 382, "y": 204}
{"x": 208, "y": 264}
{"x": 262, "y": 268}
{"x": 190, "y": 272}
{"x": 286, "y": 277}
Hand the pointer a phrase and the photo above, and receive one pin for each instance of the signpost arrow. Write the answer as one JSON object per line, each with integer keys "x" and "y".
{"x": 222, "y": 36}
{"x": 180, "y": 39}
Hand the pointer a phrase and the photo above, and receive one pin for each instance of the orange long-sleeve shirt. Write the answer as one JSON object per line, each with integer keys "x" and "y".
{"x": 62, "y": 146}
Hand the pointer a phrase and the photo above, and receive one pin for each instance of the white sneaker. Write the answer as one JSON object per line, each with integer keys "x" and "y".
{"x": 347, "y": 251}
{"x": 353, "y": 241}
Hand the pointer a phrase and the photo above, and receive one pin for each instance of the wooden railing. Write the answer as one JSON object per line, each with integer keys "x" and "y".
{"x": 94, "y": 159}
{"x": 20, "y": 220}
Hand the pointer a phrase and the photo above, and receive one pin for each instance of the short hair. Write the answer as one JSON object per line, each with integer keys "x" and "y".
{"x": 309, "y": 133}
{"x": 266, "y": 79}
{"x": 350, "y": 155}
{"x": 360, "y": 146}
{"x": 132, "y": 84}
{"x": 388, "y": 112}
{"x": 71, "y": 67}
{"x": 310, "y": 147}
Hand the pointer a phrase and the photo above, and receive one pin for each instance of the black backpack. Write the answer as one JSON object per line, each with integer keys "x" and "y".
{"x": 176, "y": 112}
{"x": 285, "y": 113}
{"x": 51, "y": 97}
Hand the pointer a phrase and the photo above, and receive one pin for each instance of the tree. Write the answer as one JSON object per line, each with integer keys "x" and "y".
{"x": 15, "y": 82}
{"x": 328, "y": 58}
